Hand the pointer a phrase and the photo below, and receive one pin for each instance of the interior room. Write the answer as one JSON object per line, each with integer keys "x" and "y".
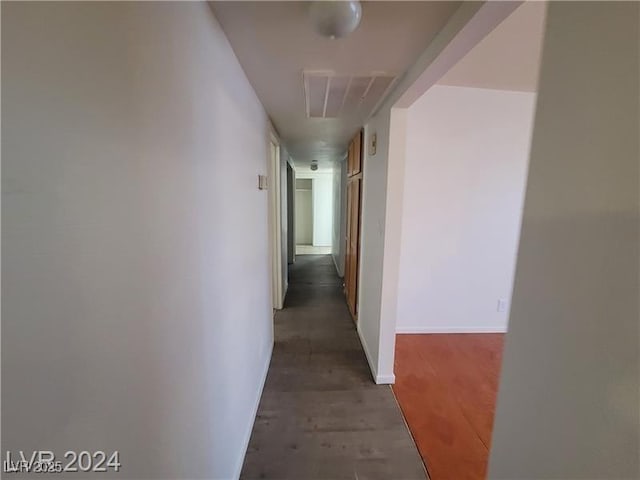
{"x": 467, "y": 149}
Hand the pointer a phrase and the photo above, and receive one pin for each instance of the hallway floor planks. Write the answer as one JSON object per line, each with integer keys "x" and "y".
{"x": 320, "y": 415}
{"x": 446, "y": 385}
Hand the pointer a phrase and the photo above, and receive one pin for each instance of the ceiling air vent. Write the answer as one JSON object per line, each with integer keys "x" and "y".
{"x": 332, "y": 95}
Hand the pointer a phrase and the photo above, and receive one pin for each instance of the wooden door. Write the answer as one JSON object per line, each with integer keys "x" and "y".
{"x": 354, "y": 192}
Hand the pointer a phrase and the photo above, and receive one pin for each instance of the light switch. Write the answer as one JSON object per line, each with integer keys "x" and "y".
{"x": 502, "y": 304}
{"x": 263, "y": 182}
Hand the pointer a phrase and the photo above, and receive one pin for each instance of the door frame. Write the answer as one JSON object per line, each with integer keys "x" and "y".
{"x": 275, "y": 221}
{"x": 291, "y": 212}
{"x": 352, "y": 269}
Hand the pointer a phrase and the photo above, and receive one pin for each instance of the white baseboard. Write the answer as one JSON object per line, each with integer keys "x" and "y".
{"x": 249, "y": 428}
{"x": 400, "y": 329}
{"x": 380, "y": 379}
{"x": 386, "y": 379}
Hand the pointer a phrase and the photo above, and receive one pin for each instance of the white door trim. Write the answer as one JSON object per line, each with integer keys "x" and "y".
{"x": 275, "y": 220}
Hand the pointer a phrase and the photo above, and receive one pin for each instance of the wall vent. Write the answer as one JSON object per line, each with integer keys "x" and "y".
{"x": 332, "y": 95}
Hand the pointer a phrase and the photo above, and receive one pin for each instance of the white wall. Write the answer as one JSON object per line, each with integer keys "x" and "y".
{"x": 304, "y": 216}
{"x": 465, "y": 171}
{"x": 322, "y": 192}
{"x": 569, "y": 392}
{"x": 323, "y": 211}
{"x": 128, "y": 130}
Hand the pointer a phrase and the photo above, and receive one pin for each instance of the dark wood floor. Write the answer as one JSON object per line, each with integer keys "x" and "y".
{"x": 321, "y": 416}
{"x": 446, "y": 386}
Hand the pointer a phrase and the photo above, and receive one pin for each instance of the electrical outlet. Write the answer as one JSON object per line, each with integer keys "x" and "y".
{"x": 502, "y": 304}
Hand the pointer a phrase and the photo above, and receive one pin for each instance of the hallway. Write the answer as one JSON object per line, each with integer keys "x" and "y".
{"x": 320, "y": 415}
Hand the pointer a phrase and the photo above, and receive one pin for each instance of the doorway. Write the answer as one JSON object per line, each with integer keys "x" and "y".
{"x": 278, "y": 275}
{"x": 463, "y": 190}
{"x": 304, "y": 213}
{"x": 314, "y": 214}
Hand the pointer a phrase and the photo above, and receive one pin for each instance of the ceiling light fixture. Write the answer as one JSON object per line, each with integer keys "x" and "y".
{"x": 314, "y": 165}
{"x": 335, "y": 18}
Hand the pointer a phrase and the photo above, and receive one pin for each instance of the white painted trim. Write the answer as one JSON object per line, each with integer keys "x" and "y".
{"x": 293, "y": 208}
{"x": 249, "y": 428}
{"x": 392, "y": 238}
{"x": 275, "y": 221}
{"x": 403, "y": 330}
{"x": 385, "y": 379}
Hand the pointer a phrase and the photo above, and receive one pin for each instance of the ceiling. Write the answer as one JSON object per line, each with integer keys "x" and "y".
{"x": 275, "y": 43}
{"x": 508, "y": 58}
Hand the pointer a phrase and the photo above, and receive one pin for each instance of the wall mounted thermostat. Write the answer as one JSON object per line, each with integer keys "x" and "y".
{"x": 263, "y": 182}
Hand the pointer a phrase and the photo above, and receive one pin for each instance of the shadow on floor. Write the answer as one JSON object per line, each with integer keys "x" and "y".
{"x": 321, "y": 416}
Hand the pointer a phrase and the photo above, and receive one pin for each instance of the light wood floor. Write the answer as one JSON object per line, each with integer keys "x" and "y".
{"x": 446, "y": 385}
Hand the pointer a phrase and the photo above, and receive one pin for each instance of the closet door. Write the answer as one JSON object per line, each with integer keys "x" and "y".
{"x": 354, "y": 208}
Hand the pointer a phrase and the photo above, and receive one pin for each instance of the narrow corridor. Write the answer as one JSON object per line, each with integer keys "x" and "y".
{"x": 321, "y": 416}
